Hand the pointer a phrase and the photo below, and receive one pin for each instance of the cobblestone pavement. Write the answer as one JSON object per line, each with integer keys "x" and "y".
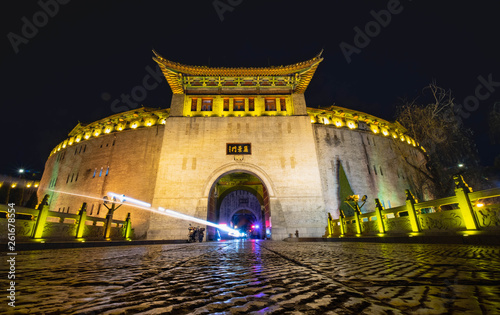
{"x": 260, "y": 277}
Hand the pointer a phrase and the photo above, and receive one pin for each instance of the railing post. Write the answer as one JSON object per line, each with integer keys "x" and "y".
{"x": 380, "y": 217}
{"x": 43, "y": 209}
{"x": 128, "y": 227}
{"x": 330, "y": 225}
{"x": 412, "y": 214}
{"x": 107, "y": 224}
{"x": 462, "y": 191}
{"x": 81, "y": 222}
{"x": 357, "y": 213}
{"x": 342, "y": 222}
{"x": 109, "y": 216}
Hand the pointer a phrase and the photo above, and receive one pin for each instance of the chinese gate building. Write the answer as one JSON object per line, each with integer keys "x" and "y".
{"x": 238, "y": 146}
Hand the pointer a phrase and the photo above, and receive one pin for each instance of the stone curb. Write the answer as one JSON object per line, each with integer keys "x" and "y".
{"x": 76, "y": 244}
{"x": 444, "y": 239}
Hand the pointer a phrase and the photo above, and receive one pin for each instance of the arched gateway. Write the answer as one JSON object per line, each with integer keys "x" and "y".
{"x": 240, "y": 200}
{"x": 237, "y": 146}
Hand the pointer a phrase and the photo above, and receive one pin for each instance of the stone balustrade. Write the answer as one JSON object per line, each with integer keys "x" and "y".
{"x": 43, "y": 224}
{"x": 465, "y": 213}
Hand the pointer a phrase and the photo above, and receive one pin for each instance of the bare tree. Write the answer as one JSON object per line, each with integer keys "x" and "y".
{"x": 431, "y": 121}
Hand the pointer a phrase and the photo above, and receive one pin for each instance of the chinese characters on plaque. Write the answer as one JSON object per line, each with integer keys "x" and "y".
{"x": 238, "y": 148}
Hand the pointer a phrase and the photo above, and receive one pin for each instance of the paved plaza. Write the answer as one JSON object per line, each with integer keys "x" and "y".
{"x": 260, "y": 277}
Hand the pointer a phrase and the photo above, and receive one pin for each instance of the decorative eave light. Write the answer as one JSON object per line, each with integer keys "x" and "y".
{"x": 351, "y": 124}
{"x": 134, "y": 125}
{"x": 374, "y": 129}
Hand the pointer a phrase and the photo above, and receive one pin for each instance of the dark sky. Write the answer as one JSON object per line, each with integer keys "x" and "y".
{"x": 85, "y": 55}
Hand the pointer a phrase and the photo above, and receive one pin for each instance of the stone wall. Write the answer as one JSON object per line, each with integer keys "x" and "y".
{"x": 376, "y": 166}
{"x": 175, "y": 166}
{"x": 130, "y": 159}
{"x": 283, "y": 157}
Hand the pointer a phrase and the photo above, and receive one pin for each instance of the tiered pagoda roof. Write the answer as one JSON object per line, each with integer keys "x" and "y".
{"x": 186, "y": 79}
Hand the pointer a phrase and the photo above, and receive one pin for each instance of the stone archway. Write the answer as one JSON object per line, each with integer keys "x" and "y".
{"x": 235, "y": 168}
{"x": 249, "y": 186}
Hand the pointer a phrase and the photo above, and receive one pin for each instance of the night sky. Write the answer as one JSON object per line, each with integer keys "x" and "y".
{"x": 84, "y": 56}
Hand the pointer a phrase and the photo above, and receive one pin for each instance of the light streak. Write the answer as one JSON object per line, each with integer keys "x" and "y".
{"x": 124, "y": 200}
{"x": 73, "y": 194}
{"x": 182, "y": 216}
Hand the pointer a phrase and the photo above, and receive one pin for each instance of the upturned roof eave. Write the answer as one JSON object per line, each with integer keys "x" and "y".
{"x": 174, "y": 71}
{"x": 240, "y": 71}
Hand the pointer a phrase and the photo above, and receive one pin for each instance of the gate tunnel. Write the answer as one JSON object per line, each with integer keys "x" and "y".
{"x": 240, "y": 200}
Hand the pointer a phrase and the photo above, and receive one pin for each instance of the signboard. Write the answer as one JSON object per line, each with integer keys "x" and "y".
{"x": 238, "y": 148}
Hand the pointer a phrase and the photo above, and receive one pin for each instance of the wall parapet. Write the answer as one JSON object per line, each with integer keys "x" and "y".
{"x": 133, "y": 119}
{"x": 341, "y": 117}
{"x": 337, "y": 116}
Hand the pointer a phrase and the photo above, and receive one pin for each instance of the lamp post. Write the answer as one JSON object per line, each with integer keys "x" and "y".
{"x": 21, "y": 176}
